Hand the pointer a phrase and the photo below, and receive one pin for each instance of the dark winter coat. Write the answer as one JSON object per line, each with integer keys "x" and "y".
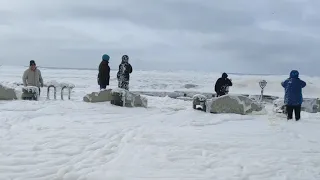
{"x": 293, "y": 89}
{"x": 125, "y": 69}
{"x": 104, "y": 73}
{"x": 222, "y": 84}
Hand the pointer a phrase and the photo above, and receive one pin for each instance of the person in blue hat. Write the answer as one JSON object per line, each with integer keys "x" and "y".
{"x": 104, "y": 72}
{"x": 293, "y": 94}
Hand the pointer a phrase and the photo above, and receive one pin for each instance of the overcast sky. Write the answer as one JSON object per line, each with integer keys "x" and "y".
{"x": 246, "y": 36}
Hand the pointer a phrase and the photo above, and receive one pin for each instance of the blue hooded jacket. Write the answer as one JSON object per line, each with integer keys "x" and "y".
{"x": 293, "y": 89}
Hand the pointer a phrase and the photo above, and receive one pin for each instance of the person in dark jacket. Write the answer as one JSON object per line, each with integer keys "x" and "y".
{"x": 293, "y": 94}
{"x": 222, "y": 85}
{"x": 123, "y": 75}
{"x": 104, "y": 72}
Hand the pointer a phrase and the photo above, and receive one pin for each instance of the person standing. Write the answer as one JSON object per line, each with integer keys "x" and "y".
{"x": 32, "y": 76}
{"x": 104, "y": 72}
{"x": 222, "y": 85}
{"x": 123, "y": 75}
{"x": 293, "y": 94}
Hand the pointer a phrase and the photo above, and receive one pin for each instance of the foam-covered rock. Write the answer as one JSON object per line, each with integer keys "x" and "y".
{"x": 236, "y": 104}
{"x": 199, "y": 102}
{"x": 278, "y": 106}
{"x": 125, "y": 98}
{"x": 102, "y": 96}
{"x": 30, "y": 93}
{"x": 311, "y": 105}
{"x": 7, "y": 93}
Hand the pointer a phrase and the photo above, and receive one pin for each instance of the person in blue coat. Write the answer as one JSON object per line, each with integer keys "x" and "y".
{"x": 293, "y": 94}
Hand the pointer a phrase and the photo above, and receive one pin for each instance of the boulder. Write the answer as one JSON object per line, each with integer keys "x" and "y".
{"x": 199, "y": 102}
{"x": 310, "y": 105}
{"x": 236, "y": 104}
{"x": 279, "y": 107}
{"x": 7, "y": 93}
{"x": 102, "y": 96}
{"x": 125, "y": 98}
{"x": 30, "y": 93}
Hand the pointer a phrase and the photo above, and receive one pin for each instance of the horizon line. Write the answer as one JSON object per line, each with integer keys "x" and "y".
{"x": 78, "y": 68}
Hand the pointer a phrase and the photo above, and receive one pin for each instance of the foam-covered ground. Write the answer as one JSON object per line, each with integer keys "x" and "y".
{"x": 74, "y": 140}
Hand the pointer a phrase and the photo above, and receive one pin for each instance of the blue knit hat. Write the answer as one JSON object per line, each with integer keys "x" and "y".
{"x": 105, "y": 57}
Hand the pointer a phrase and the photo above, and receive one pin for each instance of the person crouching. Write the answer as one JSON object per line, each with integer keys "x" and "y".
{"x": 222, "y": 85}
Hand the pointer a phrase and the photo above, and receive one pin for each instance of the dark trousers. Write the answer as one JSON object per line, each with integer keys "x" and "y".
{"x": 103, "y": 86}
{"x": 123, "y": 85}
{"x": 296, "y": 109}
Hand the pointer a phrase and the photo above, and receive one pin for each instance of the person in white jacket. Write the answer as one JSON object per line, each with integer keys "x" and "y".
{"x": 32, "y": 76}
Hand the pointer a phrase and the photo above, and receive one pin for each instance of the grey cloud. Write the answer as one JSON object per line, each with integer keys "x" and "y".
{"x": 266, "y": 36}
{"x": 161, "y": 15}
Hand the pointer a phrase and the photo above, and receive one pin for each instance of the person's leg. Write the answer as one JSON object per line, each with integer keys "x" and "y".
{"x": 119, "y": 83}
{"x": 125, "y": 85}
{"x": 297, "y": 112}
{"x": 289, "y": 112}
{"x": 103, "y": 86}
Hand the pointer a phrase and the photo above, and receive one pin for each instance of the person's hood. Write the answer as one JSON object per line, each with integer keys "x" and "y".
{"x": 224, "y": 75}
{"x": 294, "y": 74}
{"x": 124, "y": 61}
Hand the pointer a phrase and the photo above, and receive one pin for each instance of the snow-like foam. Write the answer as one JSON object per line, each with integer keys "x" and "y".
{"x": 168, "y": 140}
{"x": 60, "y": 84}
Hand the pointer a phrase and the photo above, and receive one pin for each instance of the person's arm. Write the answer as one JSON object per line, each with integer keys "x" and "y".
{"x": 24, "y": 78}
{"x": 108, "y": 75}
{"x": 217, "y": 86}
{"x": 229, "y": 82}
{"x": 303, "y": 84}
{"x": 284, "y": 83}
{"x": 130, "y": 68}
{"x": 40, "y": 78}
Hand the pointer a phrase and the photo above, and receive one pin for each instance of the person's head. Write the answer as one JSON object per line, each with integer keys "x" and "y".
{"x": 294, "y": 74}
{"x": 33, "y": 65}
{"x": 105, "y": 57}
{"x": 224, "y": 75}
{"x": 125, "y": 59}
